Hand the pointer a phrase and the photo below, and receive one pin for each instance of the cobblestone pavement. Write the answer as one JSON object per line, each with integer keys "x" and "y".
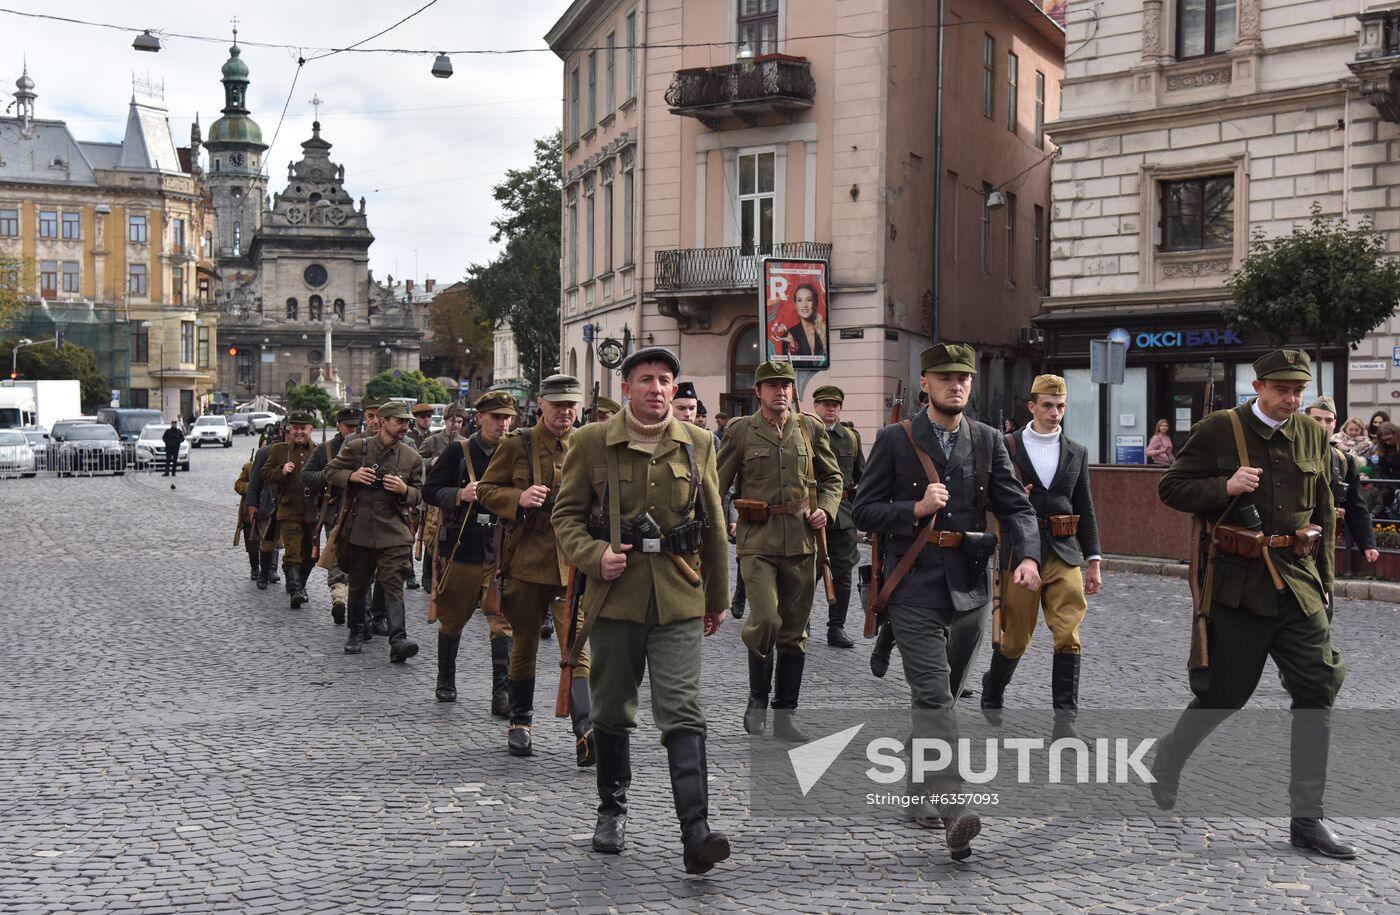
{"x": 176, "y": 740}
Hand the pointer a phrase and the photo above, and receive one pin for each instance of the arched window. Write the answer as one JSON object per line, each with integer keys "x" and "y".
{"x": 339, "y": 309}
{"x": 313, "y": 306}
{"x": 744, "y": 358}
{"x": 291, "y": 309}
{"x": 383, "y": 360}
{"x": 573, "y": 362}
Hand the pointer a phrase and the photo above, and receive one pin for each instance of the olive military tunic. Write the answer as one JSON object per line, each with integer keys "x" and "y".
{"x": 379, "y": 536}
{"x": 842, "y": 538}
{"x": 296, "y": 509}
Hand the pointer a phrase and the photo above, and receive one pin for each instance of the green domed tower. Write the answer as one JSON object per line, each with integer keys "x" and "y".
{"x": 234, "y": 176}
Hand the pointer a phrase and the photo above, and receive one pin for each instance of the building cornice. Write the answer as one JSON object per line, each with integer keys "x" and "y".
{"x": 570, "y": 24}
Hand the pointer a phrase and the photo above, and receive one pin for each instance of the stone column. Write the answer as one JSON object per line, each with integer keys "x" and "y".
{"x": 1247, "y": 24}
{"x": 1151, "y": 31}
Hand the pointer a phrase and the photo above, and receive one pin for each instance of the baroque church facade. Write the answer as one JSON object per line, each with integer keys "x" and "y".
{"x": 298, "y": 302}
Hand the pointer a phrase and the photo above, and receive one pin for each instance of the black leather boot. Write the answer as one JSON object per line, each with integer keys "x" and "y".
{"x": 614, "y": 778}
{"x": 581, "y": 713}
{"x": 880, "y": 654}
{"x": 305, "y": 579}
{"x": 994, "y": 685}
{"x": 294, "y": 586}
{"x": 836, "y": 637}
{"x": 787, "y": 684}
{"x": 1311, "y": 834}
{"x": 354, "y": 636}
{"x": 447, "y": 667}
{"x": 836, "y": 616}
{"x": 379, "y": 621}
{"x": 500, "y": 663}
{"x": 1311, "y": 741}
{"x": 272, "y": 575}
{"x": 264, "y": 570}
{"x": 760, "y": 684}
{"x": 522, "y": 712}
{"x": 547, "y": 627}
{"x": 1064, "y": 693}
{"x": 411, "y": 583}
{"x": 254, "y": 564}
{"x": 741, "y": 596}
{"x": 400, "y": 648}
{"x": 685, "y": 750}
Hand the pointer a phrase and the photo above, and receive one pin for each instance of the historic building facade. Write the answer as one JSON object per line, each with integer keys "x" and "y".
{"x": 107, "y": 246}
{"x": 1185, "y": 129}
{"x": 685, "y": 165}
{"x": 299, "y": 301}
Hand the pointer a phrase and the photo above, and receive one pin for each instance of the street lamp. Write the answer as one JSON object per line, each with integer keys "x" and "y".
{"x": 14, "y": 356}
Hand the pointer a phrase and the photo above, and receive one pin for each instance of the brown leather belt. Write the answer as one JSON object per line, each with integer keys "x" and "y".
{"x": 795, "y": 507}
{"x": 948, "y": 539}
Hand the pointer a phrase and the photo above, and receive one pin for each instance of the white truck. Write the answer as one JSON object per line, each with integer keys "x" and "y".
{"x": 38, "y": 403}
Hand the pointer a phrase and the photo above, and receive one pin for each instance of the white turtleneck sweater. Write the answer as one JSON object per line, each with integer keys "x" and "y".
{"x": 1044, "y": 453}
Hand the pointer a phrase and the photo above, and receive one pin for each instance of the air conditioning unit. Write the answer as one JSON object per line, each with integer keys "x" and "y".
{"x": 1030, "y": 335}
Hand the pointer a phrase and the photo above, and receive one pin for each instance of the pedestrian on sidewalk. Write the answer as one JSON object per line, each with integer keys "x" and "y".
{"x": 172, "y": 439}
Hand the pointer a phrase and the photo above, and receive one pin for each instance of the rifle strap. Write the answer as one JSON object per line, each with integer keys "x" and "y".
{"x": 906, "y": 562}
{"x": 1238, "y": 429}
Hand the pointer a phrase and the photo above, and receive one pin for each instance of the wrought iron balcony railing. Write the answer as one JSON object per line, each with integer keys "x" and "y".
{"x": 771, "y": 83}
{"x": 692, "y": 269}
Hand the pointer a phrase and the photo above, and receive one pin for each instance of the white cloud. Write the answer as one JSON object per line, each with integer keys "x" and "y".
{"x": 424, "y": 152}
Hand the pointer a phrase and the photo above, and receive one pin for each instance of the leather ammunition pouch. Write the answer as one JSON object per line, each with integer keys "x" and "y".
{"x": 683, "y": 539}
{"x": 540, "y": 520}
{"x": 756, "y": 511}
{"x": 1064, "y": 525}
{"x": 1305, "y": 541}
{"x": 1239, "y": 541}
{"x": 978, "y": 548}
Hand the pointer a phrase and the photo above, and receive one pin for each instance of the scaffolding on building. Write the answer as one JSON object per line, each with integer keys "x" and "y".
{"x": 101, "y": 329}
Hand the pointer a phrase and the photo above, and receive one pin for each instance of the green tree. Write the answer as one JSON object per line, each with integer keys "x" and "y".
{"x": 42, "y": 362}
{"x": 1329, "y": 282}
{"x": 459, "y": 323}
{"x": 406, "y": 384}
{"x": 311, "y": 397}
{"x": 16, "y": 273}
{"x": 522, "y": 284}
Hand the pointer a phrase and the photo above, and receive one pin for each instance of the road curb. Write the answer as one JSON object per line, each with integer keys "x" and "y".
{"x": 1350, "y": 589}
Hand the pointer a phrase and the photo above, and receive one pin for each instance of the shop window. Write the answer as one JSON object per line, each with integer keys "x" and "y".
{"x": 1198, "y": 213}
{"x": 1128, "y": 413}
{"x": 758, "y": 26}
{"x": 1081, "y": 422}
{"x": 1204, "y": 27}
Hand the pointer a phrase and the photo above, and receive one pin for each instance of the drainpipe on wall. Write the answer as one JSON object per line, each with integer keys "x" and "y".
{"x": 938, "y": 189}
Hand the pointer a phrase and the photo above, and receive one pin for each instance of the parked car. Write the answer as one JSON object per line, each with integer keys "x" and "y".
{"x": 128, "y": 421}
{"x": 261, "y": 421}
{"x": 211, "y": 430}
{"x": 150, "y": 448}
{"x": 39, "y": 442}
{"x": 91, "y": 448}
{"x": 15, "y": 454}
{"x": 59, "y": 433}
{"x": 240, "y": 424}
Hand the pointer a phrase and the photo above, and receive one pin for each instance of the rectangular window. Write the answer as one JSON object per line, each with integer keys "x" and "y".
{"x": 136, "y": 227}
{"x": 628, "y": 204}
{"x": 1039, "y": 109}
{"x": 140, "y": 343}
{"x": 610, "y": 65}
{"x": 177, "y": 285}
{"x": 203, "y": 362}
{"x": 1010, "y": 240}
{"x": 72, "y": 226}
{"x": 989, "y": 75}
{"x": 177, "y": 235}
{"x": 757, "y": 196}
{"x": 758, "y": 26}
{"x": 589, "y": 214}
{"x": 573, "y": 105}
{"x": 573, "y": 236}
{"x": 1013, "y": 66}
{"x": 245, "y": 367}
{"x": 9, "y": 223}
{"x": 1198, "y": 213}
{"x": 632, "y": 55}
{"x": 48, "y": 223}
{"x": 140, "y": 399}
{"x": 986, "y": 237}
{"x": 607, "y": 219}
{"x": 237, "y": 238}
{"x": 1204, "y": 27}
{"x": 48, "y": 279}
{"x": 136, "y": 279}
{"x": 592, "y": 89}
{"x": 1038, "y": 230}
{"x": 186, "y": 341}
{"x": 70, "y": 277}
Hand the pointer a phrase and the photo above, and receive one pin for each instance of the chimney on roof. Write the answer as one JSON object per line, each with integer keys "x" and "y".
{"x": 428, "y": 284}
{"x": 408, "y": 286}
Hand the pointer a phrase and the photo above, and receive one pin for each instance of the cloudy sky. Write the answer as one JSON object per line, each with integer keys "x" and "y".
{"x": 424, "y": 152}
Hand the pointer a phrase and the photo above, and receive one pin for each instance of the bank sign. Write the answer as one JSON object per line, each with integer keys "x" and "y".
{"x": 1186, "y": 339}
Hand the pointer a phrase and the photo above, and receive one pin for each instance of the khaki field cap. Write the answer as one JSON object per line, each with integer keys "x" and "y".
{"x": 829, "y": 392}
{"x": 301, "y": 418}
{"x": 650, "y": 354}
{"x": 1052, "y": 385}
{"x": 1284, "y": 365}
{"x": 561, "y": 389}
{"x": 393, "y": 410}
{"x": 371, "y": 403}
{"x": 948, "y": 357}
{"x": 422, "y": 409}
{"x": 349, "y": 415}
{"x": 498, "y": 403}
{"x": 454, "y": 409}
{"x": 1323, "y": 403}
{"x": 608, "y": 405}
{"x": 774, "y": 370}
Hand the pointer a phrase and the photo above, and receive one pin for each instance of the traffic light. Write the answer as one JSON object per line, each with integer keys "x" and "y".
{"x": 233, "y": 351}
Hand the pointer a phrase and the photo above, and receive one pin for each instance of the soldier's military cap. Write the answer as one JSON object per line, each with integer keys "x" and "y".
{"x": 349, "y": 415}
{"x": 700, "y": 407}
{"x": 454, "y": 409}
{"x": 561, "y": 389}
{"x": 393, "y": 409}
{"x": 686, "y": 389}
{"x": 371, "y": 403}
{"x": 774, "y": 370}
{"x": 948, "y": 357}
{"x": 829, "y": 392}
{"x": 301, "y": 418}
{"x": 422, "y": 409}
{"x": 651, "y": 354}
{"x": 608, "y": 405}
{"x": 1052, "y": 385}
{"x": 1283, "y": 365}
{"x": 498, "y": 403}
{"x": 1323, "y": 403}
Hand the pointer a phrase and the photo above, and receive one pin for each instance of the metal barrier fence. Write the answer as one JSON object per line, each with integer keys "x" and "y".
{"x": 93, "y": 459}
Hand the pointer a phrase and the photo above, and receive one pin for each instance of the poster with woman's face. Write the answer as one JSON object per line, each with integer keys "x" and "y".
{"x": 794, "y": 309}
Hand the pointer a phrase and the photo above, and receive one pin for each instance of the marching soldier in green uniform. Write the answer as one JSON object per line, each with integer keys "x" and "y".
{"x": 841, "y": 534}
{"x": 1260, "y": 476}
{"x": 605, "y": 410}
{"x": 430, "y": 449}
{"x": 519, "y": 488}
{"x": 296, "y": 509}
{"x": 419, "y": 431}
{"x": 246, "y": 527}
{"x": 378, "y": 473}
{"x": 639, "y": 514}
{"x": 313, "y": 477}
{"x": 787, "y": 488}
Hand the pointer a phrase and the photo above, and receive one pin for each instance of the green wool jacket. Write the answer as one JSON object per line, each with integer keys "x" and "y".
{"x": 1294, "y": 490}
{"x": 845, "y": 444}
